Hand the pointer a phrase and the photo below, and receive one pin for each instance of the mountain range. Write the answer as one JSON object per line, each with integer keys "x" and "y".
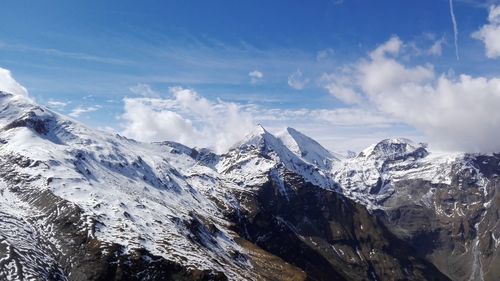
{"x": 83, "y": 204}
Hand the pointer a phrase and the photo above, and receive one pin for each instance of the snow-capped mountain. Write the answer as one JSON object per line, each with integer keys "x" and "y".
{"x": 443, "y": 204}
{"x": 260, "y": 153}
{"x": 81, "y": 204}
{"x": 135, "y": 195}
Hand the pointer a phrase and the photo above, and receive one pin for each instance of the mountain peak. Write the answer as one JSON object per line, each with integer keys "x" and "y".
{"x": 301, "y": 138}
{"x": 395, "y": 148}
{"x": 307, "y": 148}
{"x": 258, "y": 130}
{"x": 7, "y": 96}
{"x": 258, "y": 137}
{"x": 292, "y": 130}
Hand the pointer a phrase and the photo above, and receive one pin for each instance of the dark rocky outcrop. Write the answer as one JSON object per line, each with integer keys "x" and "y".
{"x": 328, "y": 236}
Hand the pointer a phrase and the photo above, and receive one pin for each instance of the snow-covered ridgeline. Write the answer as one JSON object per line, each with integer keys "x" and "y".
{"x": 142, "y": 195}
{"x": 151, "y": 196}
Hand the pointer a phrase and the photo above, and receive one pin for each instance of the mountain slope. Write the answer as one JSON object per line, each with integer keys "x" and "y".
{"x": 308, "y": 149}
{"x": 261, "y": 152}
{"x": 121, "y": 192}
{"x": 102, "y": 205}
{"x": 443, "y": 204}
{"x": 81, "y": 204}
{"x": 288, "y": 208}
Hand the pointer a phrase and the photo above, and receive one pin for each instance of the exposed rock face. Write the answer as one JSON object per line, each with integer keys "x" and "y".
{"x": 80, "y": 204}
{"x": 444, "y": 206}
{"x": 317, "y": 229}
{"x": 455, "y": 226}
{"x": 47, "y": 238}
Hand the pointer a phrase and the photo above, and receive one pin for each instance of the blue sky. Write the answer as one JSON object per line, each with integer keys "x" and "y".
{"x": 90, "y": 55}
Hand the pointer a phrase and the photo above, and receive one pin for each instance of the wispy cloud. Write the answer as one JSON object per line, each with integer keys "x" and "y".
{"x": 297, "y": 81}
{"x": 59, "y": 105}
{"x": 144, "y": 90}
{"x": 455, "y": 29}
{"x": 425, "y": 44}
{"x": 436, "y": 49}
{"x": 79, "y": 110}
{"x": 324, "y": 54}
{"x": 163, "y": 61}
{"x": 353, "y": 117}
{"x": 255, "y": 76}
{"x": 60, "y": 53}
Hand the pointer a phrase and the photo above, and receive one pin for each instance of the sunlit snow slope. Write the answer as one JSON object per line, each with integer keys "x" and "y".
{"x": 82, "y": 204}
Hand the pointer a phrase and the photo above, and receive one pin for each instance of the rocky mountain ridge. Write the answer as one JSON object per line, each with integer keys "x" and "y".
{"x": 80, "y": 204}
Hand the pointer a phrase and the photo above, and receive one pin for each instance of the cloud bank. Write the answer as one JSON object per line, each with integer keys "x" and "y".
{"x": 458, "y": 112}
{"x": 186, "y": 117}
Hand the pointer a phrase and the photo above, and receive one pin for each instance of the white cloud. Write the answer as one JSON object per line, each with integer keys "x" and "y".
{"x": 457, "y": 112}
{"x": 339, "y": 85}
{"x": 489, "y": 33}
{"x": 437, "y": 48}
{"x": 380, "y": 72}
{"x": 392, "y": 47}
{"x": 10, "y": 85}
{"x": 57, "y": 104}
{"x": 146, "y": 123}
{"x": 79, "y": 110}
{"x": 144, "y": 90}
{"x": 455, "y": 28}
{"x": 255, "y": 76}
{"x": 297, "y": 81}
{"x": 187, "y": 118}
{"x": 425, "y": 44}
{"x": 193, "y": 120}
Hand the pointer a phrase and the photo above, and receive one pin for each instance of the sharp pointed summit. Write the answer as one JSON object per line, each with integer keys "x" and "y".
{"x": 307, "y": 148}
